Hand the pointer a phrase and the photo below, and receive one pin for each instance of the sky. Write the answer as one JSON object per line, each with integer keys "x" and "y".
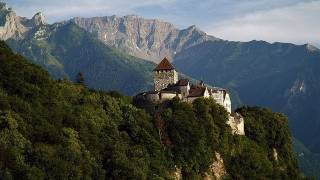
{"x": 293, "y": 21}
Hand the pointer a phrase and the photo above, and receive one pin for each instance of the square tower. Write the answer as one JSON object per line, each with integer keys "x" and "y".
{"x": 164, "y": 74}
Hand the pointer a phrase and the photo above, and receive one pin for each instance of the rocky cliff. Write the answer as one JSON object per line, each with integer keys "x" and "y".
{"x": 149, "y": 39}
{"x": 16, "y": 27}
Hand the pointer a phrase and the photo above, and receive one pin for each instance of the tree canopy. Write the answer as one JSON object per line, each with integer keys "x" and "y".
{"x": 55, "y": 129}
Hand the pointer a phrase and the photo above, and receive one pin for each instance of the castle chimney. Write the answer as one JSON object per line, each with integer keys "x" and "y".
{"x": 201, "y": 83}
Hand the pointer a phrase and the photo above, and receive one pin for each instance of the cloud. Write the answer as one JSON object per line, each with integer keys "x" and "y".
{"x": 297, "y": 24}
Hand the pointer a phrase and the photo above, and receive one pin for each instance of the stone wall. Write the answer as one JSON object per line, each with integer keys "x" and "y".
{"x": 167, "y": 96}
{"x": 227, "y": 103}
{"x": 184, "y": 90}
{"x": 153, "y": 97}
{"x": 222, "y": 98}
{"x": 163, "y": 78}
{"x": 218, "y": 97}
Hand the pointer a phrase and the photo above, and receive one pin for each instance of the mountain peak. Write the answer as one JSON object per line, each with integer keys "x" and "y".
{"x": 39, "y": 19}
{"x": 311, "y": 48}
{"x": 192, "y": 27}
{"x": 150, "y": 39}
{"x": 132, "y": 16}
{"x": 3, "y": 5}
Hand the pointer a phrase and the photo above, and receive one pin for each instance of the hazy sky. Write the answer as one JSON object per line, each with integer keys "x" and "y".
{"x": 296, "y": 21}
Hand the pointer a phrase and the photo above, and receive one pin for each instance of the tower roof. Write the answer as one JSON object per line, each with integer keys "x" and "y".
{"x": 164, "y": 65}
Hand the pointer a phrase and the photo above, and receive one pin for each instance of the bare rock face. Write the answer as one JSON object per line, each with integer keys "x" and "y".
{"x": 236, "y": 122}
{"x": 148, "y": 39}
{"x": 16, "y": 27}
{"x": 275, "y": 154}
{"x": 144, "y": 38}
{"x": 39, "y": 19}
{"x": 177, "y": 175}
{"x": 10, "y": 24}
{"x": 216, "y": 170}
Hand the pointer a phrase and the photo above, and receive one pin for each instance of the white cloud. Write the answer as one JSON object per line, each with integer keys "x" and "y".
{"x": 297, "y": 24}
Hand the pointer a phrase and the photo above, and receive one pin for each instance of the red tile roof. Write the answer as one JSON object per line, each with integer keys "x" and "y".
{"x": 197, "y": 91}
{"x": 164, "y": 65}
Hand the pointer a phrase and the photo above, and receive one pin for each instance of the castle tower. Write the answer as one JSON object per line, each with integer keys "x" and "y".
{"x": 164, "y": 74}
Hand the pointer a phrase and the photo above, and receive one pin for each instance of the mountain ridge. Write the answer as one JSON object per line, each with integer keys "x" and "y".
{"x": 273, "y": 75}
{"x": 39, "y": 45}
{"x": 149, "y": 39}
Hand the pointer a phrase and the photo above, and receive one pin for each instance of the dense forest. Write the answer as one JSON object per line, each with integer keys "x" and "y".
{"x": 55, "y": 129}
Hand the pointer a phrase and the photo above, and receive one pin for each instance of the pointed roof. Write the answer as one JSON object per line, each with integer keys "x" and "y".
{"x": 164, "y": 65}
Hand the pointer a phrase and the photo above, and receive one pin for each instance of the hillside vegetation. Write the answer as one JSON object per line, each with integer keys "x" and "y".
{"x": 281, "y": 76}
{"x": 66, "y": 49}
{"x": 59, "y": 130}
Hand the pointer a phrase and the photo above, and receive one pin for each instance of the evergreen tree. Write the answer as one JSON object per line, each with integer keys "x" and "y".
{"x": 80, "y": 78}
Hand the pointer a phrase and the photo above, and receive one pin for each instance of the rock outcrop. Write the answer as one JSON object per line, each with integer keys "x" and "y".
{"x": 149, "y": 39}
{"x": 216, "y": 170}
{"x": 16, "y": 27}
{"x": 39, "y": 19}
{"x": 236, "y": 122}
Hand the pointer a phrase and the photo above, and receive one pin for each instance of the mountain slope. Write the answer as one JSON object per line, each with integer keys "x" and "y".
{"x": 69, "y": 50}
{"x": 149, "y": 39}
{"x": 309, "y": 162}
{"x": 282, "y": 76}
{"x": 16, "y": 27}
{"x": 65, "y": 49}
{"x": 54, "y": 129}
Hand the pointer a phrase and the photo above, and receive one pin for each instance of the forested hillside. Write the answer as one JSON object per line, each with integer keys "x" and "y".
{"x": 66, "y": 50}
{"x": 59, "y": 130}
{"x": 282, "y": 76}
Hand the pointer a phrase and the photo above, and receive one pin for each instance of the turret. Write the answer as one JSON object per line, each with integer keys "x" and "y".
{"x": 164, "y": 74}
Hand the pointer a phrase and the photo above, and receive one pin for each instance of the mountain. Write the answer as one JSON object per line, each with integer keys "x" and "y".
{"x": 65, "y": 50}
{"x": 309, "y": 162}
{"x": 149, "y": 39}
{"x": 96, "y": 47}
{"x": 69, "y": 50}
{"x": 284, "y": 77}
{"x": 54, "y": 129}
{"x": 16, "y": 27}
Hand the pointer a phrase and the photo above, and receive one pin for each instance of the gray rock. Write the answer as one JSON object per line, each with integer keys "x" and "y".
{"x": 149, "y": 39}
{"x": 16, "y": 27}
{"x": 39, "y": 19}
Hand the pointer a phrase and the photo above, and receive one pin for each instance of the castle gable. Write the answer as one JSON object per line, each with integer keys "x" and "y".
{"x": 164, "y": 65}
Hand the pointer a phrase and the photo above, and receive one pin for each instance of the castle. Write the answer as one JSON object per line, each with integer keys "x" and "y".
{"x": 167, "y": 86}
